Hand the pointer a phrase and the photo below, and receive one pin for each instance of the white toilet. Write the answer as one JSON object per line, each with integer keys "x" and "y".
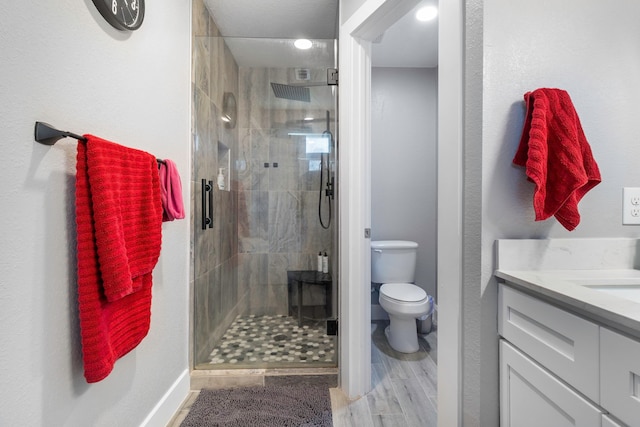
{"x": 393, "y": 263}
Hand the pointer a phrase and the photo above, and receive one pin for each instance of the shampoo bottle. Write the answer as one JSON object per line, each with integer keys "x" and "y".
{"x": 319, "y": 262}
{"x": 221, "y": 178}
{"x": 325, "y": 263}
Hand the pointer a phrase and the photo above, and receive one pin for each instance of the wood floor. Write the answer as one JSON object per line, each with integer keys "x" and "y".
{"x": 404, "y": 387}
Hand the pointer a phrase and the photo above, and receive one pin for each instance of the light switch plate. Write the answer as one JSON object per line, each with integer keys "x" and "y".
{"x": 631, "y": 205}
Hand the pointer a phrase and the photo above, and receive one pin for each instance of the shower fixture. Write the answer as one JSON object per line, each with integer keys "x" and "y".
{"x": 328, "y": 192}
{"x": 291, "y": 92}
{"x": 300, "y": 91}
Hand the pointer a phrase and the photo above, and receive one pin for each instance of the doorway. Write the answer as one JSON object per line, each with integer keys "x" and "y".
{"x": 356, "y": 35}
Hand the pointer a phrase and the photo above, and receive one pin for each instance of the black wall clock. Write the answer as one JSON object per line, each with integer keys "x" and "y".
{"x": 122, "y": 14}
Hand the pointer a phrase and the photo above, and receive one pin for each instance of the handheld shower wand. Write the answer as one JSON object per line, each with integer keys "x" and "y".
{"x": 328, "y": 192}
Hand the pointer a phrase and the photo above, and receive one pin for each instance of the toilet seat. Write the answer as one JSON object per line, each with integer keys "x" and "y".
{"x": 403, "y": 292}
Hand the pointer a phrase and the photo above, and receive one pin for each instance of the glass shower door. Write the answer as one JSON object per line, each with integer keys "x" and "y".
{"x": 265, "y": 126}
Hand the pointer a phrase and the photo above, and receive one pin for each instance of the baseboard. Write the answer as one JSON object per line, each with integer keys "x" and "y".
{"x": 167, "y": 406}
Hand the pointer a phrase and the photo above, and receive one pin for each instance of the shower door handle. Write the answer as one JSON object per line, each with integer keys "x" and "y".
{"x": 207, "y": 199}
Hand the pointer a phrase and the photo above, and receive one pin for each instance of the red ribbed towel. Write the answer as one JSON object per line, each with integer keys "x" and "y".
{"x": 119, "y": 228}
{"x": 557, "y": 156}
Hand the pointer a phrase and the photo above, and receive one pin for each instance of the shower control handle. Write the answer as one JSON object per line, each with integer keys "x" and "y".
{"x": 329, "y": 191}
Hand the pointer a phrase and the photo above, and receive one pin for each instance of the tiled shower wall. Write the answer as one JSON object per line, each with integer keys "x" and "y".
{"x": 216, "y": 289}
{"x": 278, "y": 227}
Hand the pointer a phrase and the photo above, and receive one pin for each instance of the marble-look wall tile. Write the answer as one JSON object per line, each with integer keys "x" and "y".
{"x": 202, "y": 113}
{"x": 207, "y": 311}
{"x": 202, "y": 69}
{"x": 228, "y": 70}
{"x": 229, "y": 289}
{"x": 284, "y": 177}
{"x": 253, "y": 221}
{"x": 284, "y": 221}
{"x": 309, "y": 173}
{"x": 307, "y": 261}
{"x": 268, "y": 299}
{"x": 253, "y": 269}
{"x": 284, "y": 151}
{"x": 254, "y": 89}
{"x": 254, "y": 176}
{"x": 262, "y": 298}
{"x": 313, "y": 237}
{"x": 200, "y": 17}
{"x": 260, "y": 139}
{"x": 217, "y": 65}
{"x": 224, "y": 217}
{"x": 216, "y": 308}
{"x": 279, "y": 264}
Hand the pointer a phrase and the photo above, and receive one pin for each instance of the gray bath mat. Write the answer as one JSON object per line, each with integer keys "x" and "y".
{"x": 277, "y": 406}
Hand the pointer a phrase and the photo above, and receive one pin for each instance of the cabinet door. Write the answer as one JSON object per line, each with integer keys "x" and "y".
{"x": 532, "y": 397}
{"x": 608, "y": 422}
{"x": 620, "y": 376}
{"x": 563, "y": 343}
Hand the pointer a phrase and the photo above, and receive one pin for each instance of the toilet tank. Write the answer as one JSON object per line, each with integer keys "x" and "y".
{"x": 393, "y": 261}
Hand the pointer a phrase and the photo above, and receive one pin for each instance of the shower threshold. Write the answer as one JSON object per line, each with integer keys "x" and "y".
{"x": 226, "y": 378}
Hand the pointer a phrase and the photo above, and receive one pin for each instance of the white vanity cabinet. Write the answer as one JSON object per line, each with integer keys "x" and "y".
{"x": 620, "y": 376}
{"x": 531, "y": 397}
{"x": 559, "y": 369}
{"x": 608, "y": 422}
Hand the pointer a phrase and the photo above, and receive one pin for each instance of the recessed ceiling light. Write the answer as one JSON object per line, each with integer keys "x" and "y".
{"x": 303, "y": 44}
{"x": 426, "y": 13}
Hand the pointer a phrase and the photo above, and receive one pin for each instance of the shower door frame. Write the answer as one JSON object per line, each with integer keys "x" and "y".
{"x": 196, "y": 362}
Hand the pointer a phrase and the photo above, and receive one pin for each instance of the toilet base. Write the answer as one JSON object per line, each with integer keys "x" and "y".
{"x": 402, "y": 334}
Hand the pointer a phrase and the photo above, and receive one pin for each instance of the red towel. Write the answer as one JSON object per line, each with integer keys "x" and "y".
{"x": 119, "y": 228}
{"x": 171, "y": 191}
{"x": 557, "y": 156}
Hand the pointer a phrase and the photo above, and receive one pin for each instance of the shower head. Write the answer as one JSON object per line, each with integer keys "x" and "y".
{"x": 293, "y": 93}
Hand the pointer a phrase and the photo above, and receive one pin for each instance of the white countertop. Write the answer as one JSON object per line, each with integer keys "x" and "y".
{"x": 595, "y": 291}
{"x": 561, "y": 286}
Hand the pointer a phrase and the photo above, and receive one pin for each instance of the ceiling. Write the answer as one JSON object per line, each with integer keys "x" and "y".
{"x": 259, "y": 33}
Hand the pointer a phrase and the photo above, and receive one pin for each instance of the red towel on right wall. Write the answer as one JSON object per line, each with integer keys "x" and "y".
{"x": 556, "y": 155}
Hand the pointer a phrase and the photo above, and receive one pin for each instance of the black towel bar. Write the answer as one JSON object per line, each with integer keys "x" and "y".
{"x": 48, "y": 135}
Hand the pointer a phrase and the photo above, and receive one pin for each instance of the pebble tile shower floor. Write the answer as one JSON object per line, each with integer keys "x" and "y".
{"x": 256, "y": 340}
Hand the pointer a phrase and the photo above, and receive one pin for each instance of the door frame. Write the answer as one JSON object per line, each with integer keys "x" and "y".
{"x": 356, "y": 34}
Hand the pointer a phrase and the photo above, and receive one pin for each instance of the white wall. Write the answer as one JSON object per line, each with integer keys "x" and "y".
{"x": 592, "y": 50}
{"x": 62, "y": 64}
{"x": 403, "y": 162}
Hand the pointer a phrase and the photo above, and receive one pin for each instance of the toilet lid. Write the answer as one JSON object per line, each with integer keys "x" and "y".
{"x": 406, "y": 292}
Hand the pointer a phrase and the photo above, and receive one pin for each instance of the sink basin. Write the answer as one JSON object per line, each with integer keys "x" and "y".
{"x": 621, "y": 287}
{"x": 630, "y": 292}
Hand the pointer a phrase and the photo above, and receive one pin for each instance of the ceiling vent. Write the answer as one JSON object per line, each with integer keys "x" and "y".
{"x": 303, "y": 74}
